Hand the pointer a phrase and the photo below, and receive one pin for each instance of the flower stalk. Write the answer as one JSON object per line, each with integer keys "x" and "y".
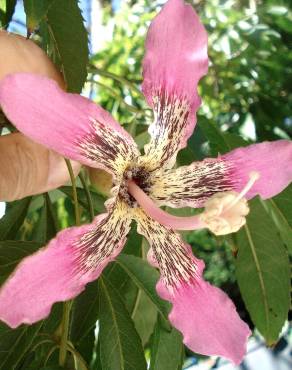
{"x": 88, "y": 196}
{"x": 67, "y": 305}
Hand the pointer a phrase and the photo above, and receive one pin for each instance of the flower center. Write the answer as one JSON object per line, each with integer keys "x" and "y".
{"x": 140, "y": 177}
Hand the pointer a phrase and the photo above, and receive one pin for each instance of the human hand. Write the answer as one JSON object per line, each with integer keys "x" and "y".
{"x": 27, "y": 168}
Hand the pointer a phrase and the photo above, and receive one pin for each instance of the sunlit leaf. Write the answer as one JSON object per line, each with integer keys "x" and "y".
{"x": 7, "y": 8}
{"x": 35, "y": 11}
{"x": 70, "y": 41}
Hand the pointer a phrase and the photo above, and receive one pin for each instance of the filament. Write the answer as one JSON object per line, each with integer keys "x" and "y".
{"x": 253, "y": 177}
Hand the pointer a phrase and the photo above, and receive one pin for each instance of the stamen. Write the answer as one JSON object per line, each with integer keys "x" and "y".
{"x": 216, "y": 219}
{"x": 164, "y": 218}
{"x": 253, "y": 177}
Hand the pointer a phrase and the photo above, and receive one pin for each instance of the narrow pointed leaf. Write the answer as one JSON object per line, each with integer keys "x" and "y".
{"x": 145, "y": 277}
{"x": 120, "y": 345}
{"x": 166, "y": 348}
{"x": 262, "y": 270}
{"x": 14, "y": 344}
{"x": 70, "y": 41}
{"x": 144, "y": 317}
{"x": 46, "y": 228}
{"x": 85, "y": 313}
{"x": 117, "y": 276}
{"x": 35, "y": 11}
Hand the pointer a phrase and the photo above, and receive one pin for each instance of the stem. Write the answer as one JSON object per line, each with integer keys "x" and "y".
{"x": 52, "y": 350}
{"x": 137, "y": 301}
{"x": 88, "y": 196}
{"x": 64, "y": 333}
{"x": 67, "y": 305}
{"x": 78, "y": 356}
{"x": 138, "y": 296}
{"x": 131, "y": 108}
{"x": 113, "y": 76}
{"x": 74, "y": 191}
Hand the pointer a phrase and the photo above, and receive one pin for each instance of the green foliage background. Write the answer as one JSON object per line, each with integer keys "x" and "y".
{"x": 246, "y": 98}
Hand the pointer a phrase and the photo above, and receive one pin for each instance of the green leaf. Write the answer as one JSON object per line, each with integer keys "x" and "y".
{"x": 96, "y": 362}
{"x": 84, "y": 313}
{"x": 13, "y": 219}
{"x": 120, "y": 345}
{"x": 262, "y": 270}
{"x": 220, "y": 142}
{"x": 46, "y": 229}
{"x": 70, "y": 42}
{"x": 280, "y": 209}
{"x": 7, "y": 8}
{"x": 44, "y": 341}
{"x": 35, "y": 11}
{"x": 166, "y": 348}
{"x": 144, "y": 317}
{"x": 11, "y": 253}
{"x": 145, "y": 277}
{"x": 120, "y": 279}
{"x": 14, "y": 344}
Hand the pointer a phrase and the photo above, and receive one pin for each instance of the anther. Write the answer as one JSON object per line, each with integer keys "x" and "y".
{"x": 226, "y": 212}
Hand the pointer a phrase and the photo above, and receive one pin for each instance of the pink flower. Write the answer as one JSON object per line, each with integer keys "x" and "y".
{"x": 176, "y": 59}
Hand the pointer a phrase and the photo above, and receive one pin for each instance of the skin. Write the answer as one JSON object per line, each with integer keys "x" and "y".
{"x": 27, "y": 168}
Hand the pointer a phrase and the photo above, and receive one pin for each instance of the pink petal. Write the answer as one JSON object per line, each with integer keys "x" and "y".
{"x": 273, "y": 162}
{"x": 208, "y": 319}
{"x": 67, "y": 123}
{"x": 60, "y": 271}
{"x": 21, "y": 156}
{"x": 204, "y": 314}
{"x": 191, "y": 186}
{"x": 175, "y": 60}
